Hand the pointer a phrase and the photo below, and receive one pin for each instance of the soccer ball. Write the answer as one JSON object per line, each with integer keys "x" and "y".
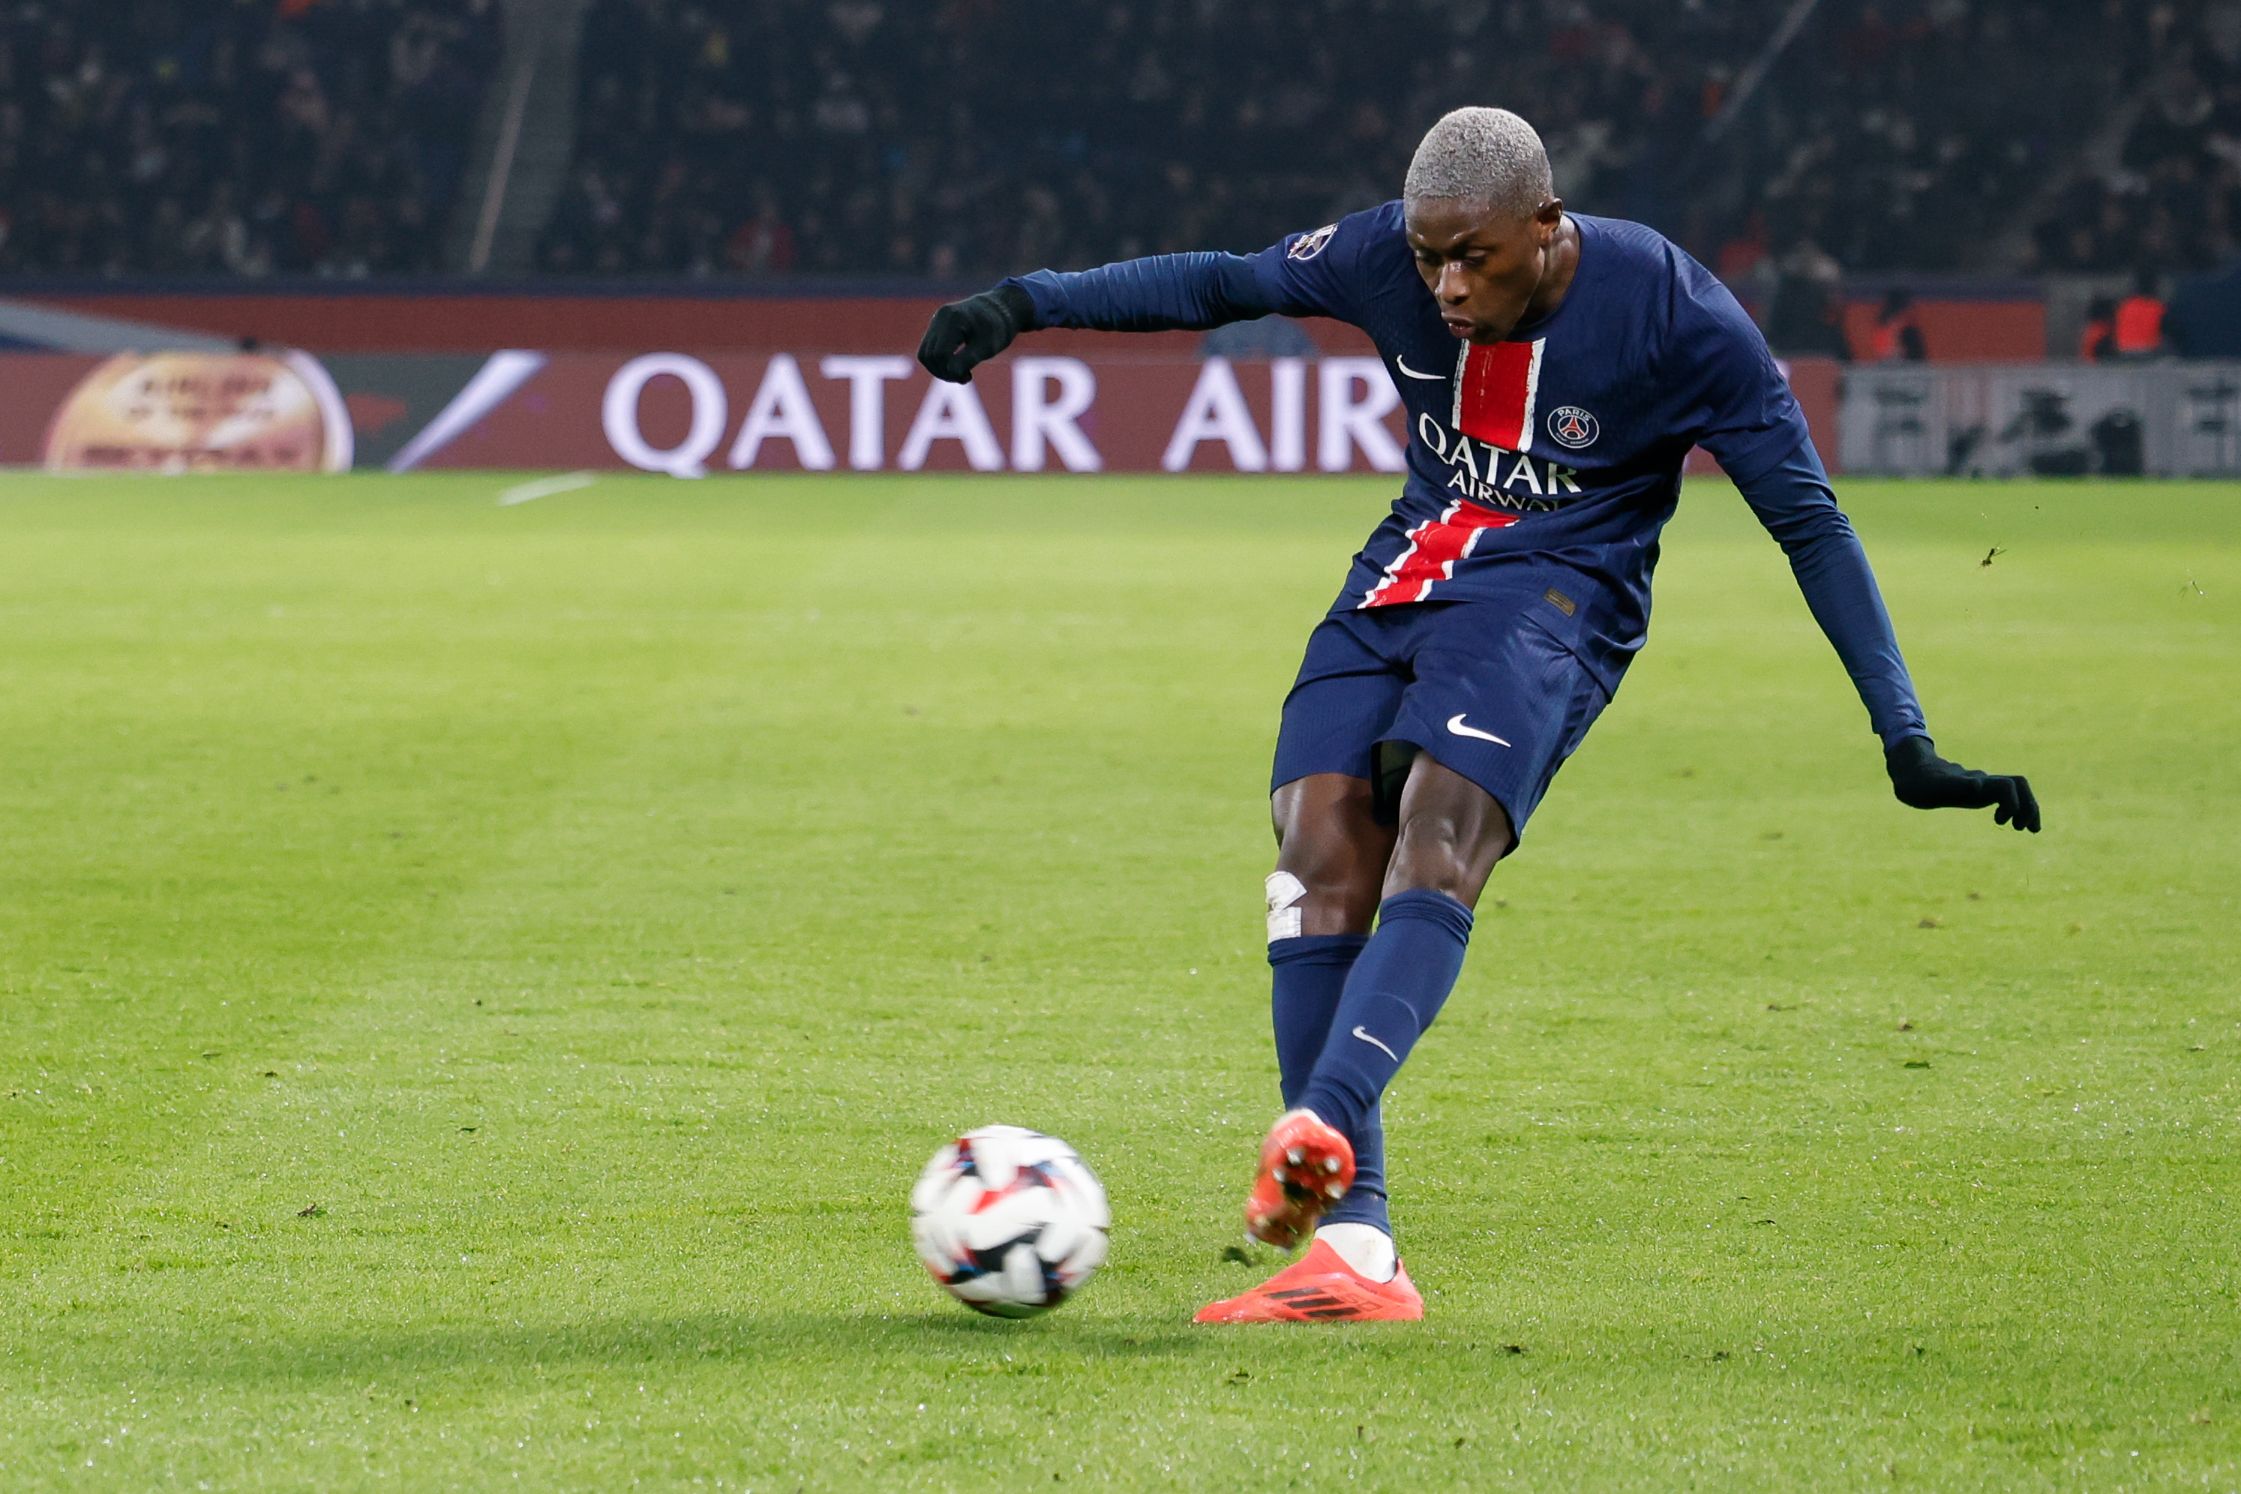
{"x": 1009, "y": 1221}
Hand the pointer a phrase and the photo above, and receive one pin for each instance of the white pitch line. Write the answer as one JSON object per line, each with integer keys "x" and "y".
{"x": 545, "y": 487}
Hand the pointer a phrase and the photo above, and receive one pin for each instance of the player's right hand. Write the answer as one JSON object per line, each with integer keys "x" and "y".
{"x": 967, "y": 333}
{"x": 1923, "y": 780}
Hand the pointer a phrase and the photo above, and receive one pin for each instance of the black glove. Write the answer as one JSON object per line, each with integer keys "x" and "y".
{"x": 1923, "y": 780}
{"x": 966, "y": 333}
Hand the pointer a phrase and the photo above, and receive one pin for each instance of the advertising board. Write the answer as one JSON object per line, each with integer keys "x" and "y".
{"x": 690, "y": 414}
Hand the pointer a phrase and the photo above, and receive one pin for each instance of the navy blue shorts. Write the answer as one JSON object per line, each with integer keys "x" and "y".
{"x": 1481, "y": 686}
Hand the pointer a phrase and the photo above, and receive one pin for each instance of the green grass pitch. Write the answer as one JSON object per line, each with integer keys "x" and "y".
{"x": 476, "y": 984}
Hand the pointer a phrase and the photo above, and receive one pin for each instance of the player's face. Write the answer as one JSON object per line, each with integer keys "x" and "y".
{"x": 1483, "y": 266}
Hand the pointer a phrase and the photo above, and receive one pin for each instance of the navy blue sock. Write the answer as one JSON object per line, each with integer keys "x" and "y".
{"x": 1309, "y": 976}
{"x": 1397, "y": 986}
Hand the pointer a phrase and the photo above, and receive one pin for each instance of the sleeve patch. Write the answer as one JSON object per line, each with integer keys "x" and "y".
{"x": 1308, "y": 245}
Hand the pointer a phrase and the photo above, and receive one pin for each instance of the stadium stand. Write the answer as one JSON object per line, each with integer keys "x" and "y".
{"x": 858, "y": 136}
{"x": 2169, "y": 198}
{"x": 864, "y": 136}
{"x": 241, "y": 139}
{"x": 937, "y": 140}
{"x": 1912, "y": 136}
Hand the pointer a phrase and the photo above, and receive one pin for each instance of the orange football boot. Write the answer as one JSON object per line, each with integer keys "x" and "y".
{"x": 1320, "y": 1287}
{"x": 1306, "y": 1166}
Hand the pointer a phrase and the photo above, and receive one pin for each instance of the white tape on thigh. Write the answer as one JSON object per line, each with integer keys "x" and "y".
{"x": 1285, "y": 893}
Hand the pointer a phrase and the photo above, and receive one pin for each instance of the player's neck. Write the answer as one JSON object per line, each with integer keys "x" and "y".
{"x": 1563, "y": 263}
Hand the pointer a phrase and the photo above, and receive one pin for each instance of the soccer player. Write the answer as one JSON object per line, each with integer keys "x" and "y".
{"x": 1556, "y": 369}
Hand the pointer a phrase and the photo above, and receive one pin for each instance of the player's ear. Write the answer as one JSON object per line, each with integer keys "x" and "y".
{"x": 1547, "y": 219}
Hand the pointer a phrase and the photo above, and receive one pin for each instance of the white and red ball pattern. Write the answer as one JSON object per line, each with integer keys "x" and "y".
{"x": 1010, "y": 1221}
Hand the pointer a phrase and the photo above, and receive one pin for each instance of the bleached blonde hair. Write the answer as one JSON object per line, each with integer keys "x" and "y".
{"x": 1488, "y": 155}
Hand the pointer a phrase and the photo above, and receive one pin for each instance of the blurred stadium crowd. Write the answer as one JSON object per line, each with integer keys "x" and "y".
{"x": 2171, "y": 196}
{"x": 958, "y": 139}
{"x": 969, "y": 136}
{"x": 224, "y": 137}
{"x": 845, "y": 136}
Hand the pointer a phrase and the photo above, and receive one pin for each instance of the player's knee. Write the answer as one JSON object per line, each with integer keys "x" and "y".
{"x": 1440, "y": 852}
{"x": 1319, "y": 896}
{"x": 1330, "y": 857}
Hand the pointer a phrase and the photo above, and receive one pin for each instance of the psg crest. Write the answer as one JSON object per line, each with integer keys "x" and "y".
{"x": 1571, "y": 426}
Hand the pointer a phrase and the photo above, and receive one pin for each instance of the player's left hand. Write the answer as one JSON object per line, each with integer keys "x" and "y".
{"x": 1923, "y": 780}
{"x": 967, "y": 333}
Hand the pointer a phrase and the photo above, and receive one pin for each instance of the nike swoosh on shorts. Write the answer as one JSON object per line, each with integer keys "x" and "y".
{"x": 1455, "y": 725}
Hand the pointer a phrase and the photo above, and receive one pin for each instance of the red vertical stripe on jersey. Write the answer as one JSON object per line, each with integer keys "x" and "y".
{"x": 1433, "y": 548}
{"x": 1494, "y": 396}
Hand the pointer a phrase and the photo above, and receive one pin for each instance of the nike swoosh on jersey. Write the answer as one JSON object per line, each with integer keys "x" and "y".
{"x": 1374, "y": 1043}
{"x": 1402, "y": 365}
{"x": 1455, "y": 725}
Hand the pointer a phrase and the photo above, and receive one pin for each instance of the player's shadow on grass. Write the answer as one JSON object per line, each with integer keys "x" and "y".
{"x": 779, "y": 1340}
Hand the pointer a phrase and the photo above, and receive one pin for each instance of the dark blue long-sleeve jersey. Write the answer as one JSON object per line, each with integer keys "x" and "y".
{"x": 1551, "y": 460}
